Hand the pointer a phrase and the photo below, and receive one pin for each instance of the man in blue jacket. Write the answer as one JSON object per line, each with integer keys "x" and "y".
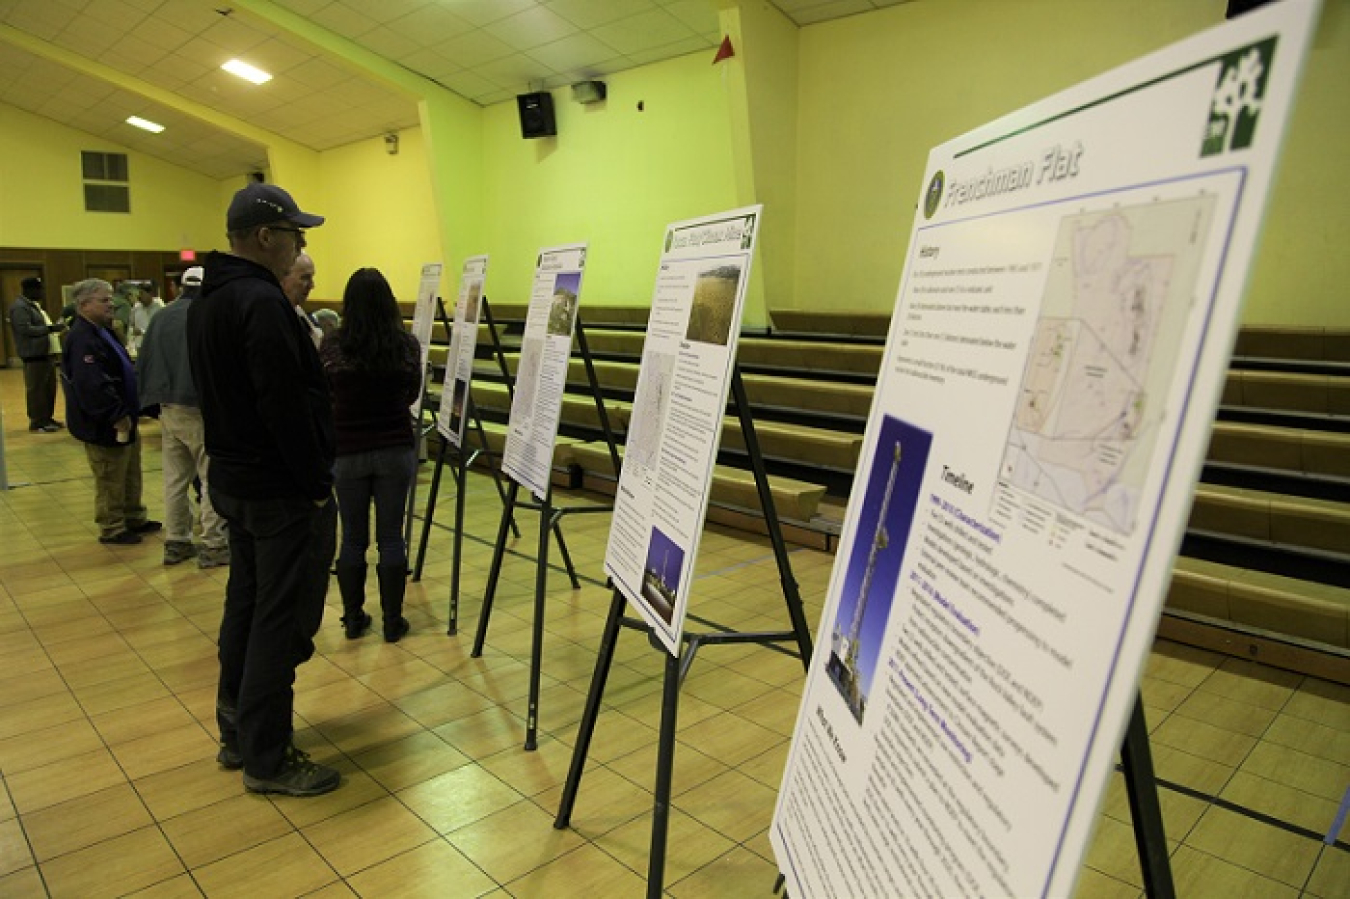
{"x": 101, "y": 408}
{"x": 269, "y": 434}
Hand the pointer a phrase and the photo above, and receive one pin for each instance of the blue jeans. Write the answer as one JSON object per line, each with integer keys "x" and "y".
{"x": 384, "y": 475}
{"x": 280, "y": 550}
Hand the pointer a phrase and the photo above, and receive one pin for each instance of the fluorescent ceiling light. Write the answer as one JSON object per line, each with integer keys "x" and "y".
{"x": 246, "y": 71}
{"x": 145, "y": 124}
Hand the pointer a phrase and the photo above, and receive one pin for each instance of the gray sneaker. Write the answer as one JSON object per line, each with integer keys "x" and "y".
{"x": 298, "y": 777}
{"x": 213, "y": 557}
{"x": 176, "y": 551}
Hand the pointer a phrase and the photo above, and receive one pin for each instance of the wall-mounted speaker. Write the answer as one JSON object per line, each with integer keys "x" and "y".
{"x": 1238, "y": 7}
{"x": 536, "y": 115}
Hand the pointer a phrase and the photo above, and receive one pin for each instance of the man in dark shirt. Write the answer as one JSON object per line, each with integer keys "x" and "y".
{"x": 35, "y": 342}
{"x": 269, "y": 435}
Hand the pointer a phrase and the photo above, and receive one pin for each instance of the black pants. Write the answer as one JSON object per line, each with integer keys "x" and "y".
{"x": 280, "y": 552}
{"x": 39, "y": 381}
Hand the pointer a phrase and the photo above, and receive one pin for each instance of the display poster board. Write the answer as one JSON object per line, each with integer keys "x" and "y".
{"x": 541, "y": 376}
{"x": 1067, "y": 309}
{"x": 450, "y": 420}
{"x": 678, "y": 405}
{"x": 424, "y": 320}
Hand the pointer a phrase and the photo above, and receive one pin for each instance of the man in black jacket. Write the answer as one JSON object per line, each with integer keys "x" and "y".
{"x": 269, "y": 435}
{"x": 35, "y": 342}
{"x": 102, "y": 407}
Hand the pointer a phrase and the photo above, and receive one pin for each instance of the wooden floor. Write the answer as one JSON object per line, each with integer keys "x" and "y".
{"x": 108, "y": 784}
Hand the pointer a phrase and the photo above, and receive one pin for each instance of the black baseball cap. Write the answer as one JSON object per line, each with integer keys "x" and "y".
{"x": 262, "y": 204}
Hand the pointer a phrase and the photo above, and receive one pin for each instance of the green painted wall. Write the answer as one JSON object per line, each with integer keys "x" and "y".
{"x": 879, "y": 90}
{"x": 42, "y": 194}
{"x": 614, "y": 176}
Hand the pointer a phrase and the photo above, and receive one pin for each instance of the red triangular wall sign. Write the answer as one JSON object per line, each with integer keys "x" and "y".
{"x": 726, "y": 51}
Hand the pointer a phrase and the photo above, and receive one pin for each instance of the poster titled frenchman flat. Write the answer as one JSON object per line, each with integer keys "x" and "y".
{"x": 678, "y": 406}
{"x": 1069, "y": 302}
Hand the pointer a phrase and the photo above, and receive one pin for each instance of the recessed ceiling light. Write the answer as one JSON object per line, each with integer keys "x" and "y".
{"x": 145, "y": 124}
{"x": 246, "y": 71}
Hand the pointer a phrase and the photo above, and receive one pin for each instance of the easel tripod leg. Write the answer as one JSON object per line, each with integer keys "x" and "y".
{"x": 586, "y": 728}
{"x": 490, "y": 592}
{"x": 1145, "y": 811}
{"x": 431, "y": 514}
{"x": 537, "y": 636}
{"x": 665, "y": 764}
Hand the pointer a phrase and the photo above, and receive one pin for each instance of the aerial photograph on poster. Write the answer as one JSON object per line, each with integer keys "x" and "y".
{"x": 714, "y": 303}
{"x": 874, "y": 566}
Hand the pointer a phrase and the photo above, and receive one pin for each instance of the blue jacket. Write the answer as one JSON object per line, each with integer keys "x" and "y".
{"x": 99, "y": 382}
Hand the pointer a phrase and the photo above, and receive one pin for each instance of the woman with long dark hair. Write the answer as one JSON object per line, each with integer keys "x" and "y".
{"x": 374, "y": 371}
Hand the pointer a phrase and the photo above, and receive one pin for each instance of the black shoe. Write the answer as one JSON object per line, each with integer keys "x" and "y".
{"x": 126, "y": 538}
{"x": 144, "y": 527}
{"x": 229, "y": 757}
{"x": 298, "y": 777}
{"x": 394, "y": 630}
{"x": 356, "y": 624}
{"x": 57, "y": 422}
{"x": 48, "y": 428}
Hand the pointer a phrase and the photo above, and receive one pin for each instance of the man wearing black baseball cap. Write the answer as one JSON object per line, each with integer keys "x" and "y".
{"x": 269, "y": 435}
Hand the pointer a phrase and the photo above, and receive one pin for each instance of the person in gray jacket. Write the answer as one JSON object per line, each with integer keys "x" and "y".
{"x": 36, "y": 342}
{"x": 166, "y": 381}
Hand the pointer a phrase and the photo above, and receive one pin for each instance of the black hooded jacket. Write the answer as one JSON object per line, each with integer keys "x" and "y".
{"x": 264, "y": 398}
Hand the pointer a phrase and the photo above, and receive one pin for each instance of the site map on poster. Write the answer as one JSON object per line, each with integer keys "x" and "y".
{"x": 1069, "y": 302}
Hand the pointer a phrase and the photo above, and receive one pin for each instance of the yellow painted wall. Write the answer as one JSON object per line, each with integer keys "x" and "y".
{"x": 42, "y": 194}
{"x": 614, "y": 176}
{"x": 1302, "y": 270}
{"x": 379, "y": 212}
{"x": 878, "y": 90}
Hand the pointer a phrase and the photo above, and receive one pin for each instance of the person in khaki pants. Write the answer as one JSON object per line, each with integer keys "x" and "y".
{"x": 166, "y": 381}
{"x": 101, "y": 411}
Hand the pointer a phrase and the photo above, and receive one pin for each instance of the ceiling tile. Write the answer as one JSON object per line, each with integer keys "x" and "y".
{"x": 114, "y": 14}
{"x": 485, "y": 12}
{"x": 342, "y": 19}
{"x": 590, "y": 13}
{"x": 671, "y": 51}
{"x": 430, "y": 25}
{"x": 517, "y": 73}
{"x": 531, "y": 28}
{"x": 699, "y": 15}
{"x": 832, "y": 10}
{"x": 388, "y": 43}
{"x": 473, "y": 49}
{"x": 469, "y": 84}
{"x": 644, "y": 31}
{"x": 580, "y": 52}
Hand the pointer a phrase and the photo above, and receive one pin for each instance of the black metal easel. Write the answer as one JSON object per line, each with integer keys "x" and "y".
{"x": 461, "y": 463}
{"x": 550, "y": 521}
{"x": 677, "y": 666}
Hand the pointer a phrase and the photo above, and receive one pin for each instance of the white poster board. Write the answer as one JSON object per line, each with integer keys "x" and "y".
{"x": 424, "y": 319}
{"x": 541, "y": 376}
{"x": 451, "y": 418}
{"x": 678, "y": 405}
{"x": 1061, "y": 336}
